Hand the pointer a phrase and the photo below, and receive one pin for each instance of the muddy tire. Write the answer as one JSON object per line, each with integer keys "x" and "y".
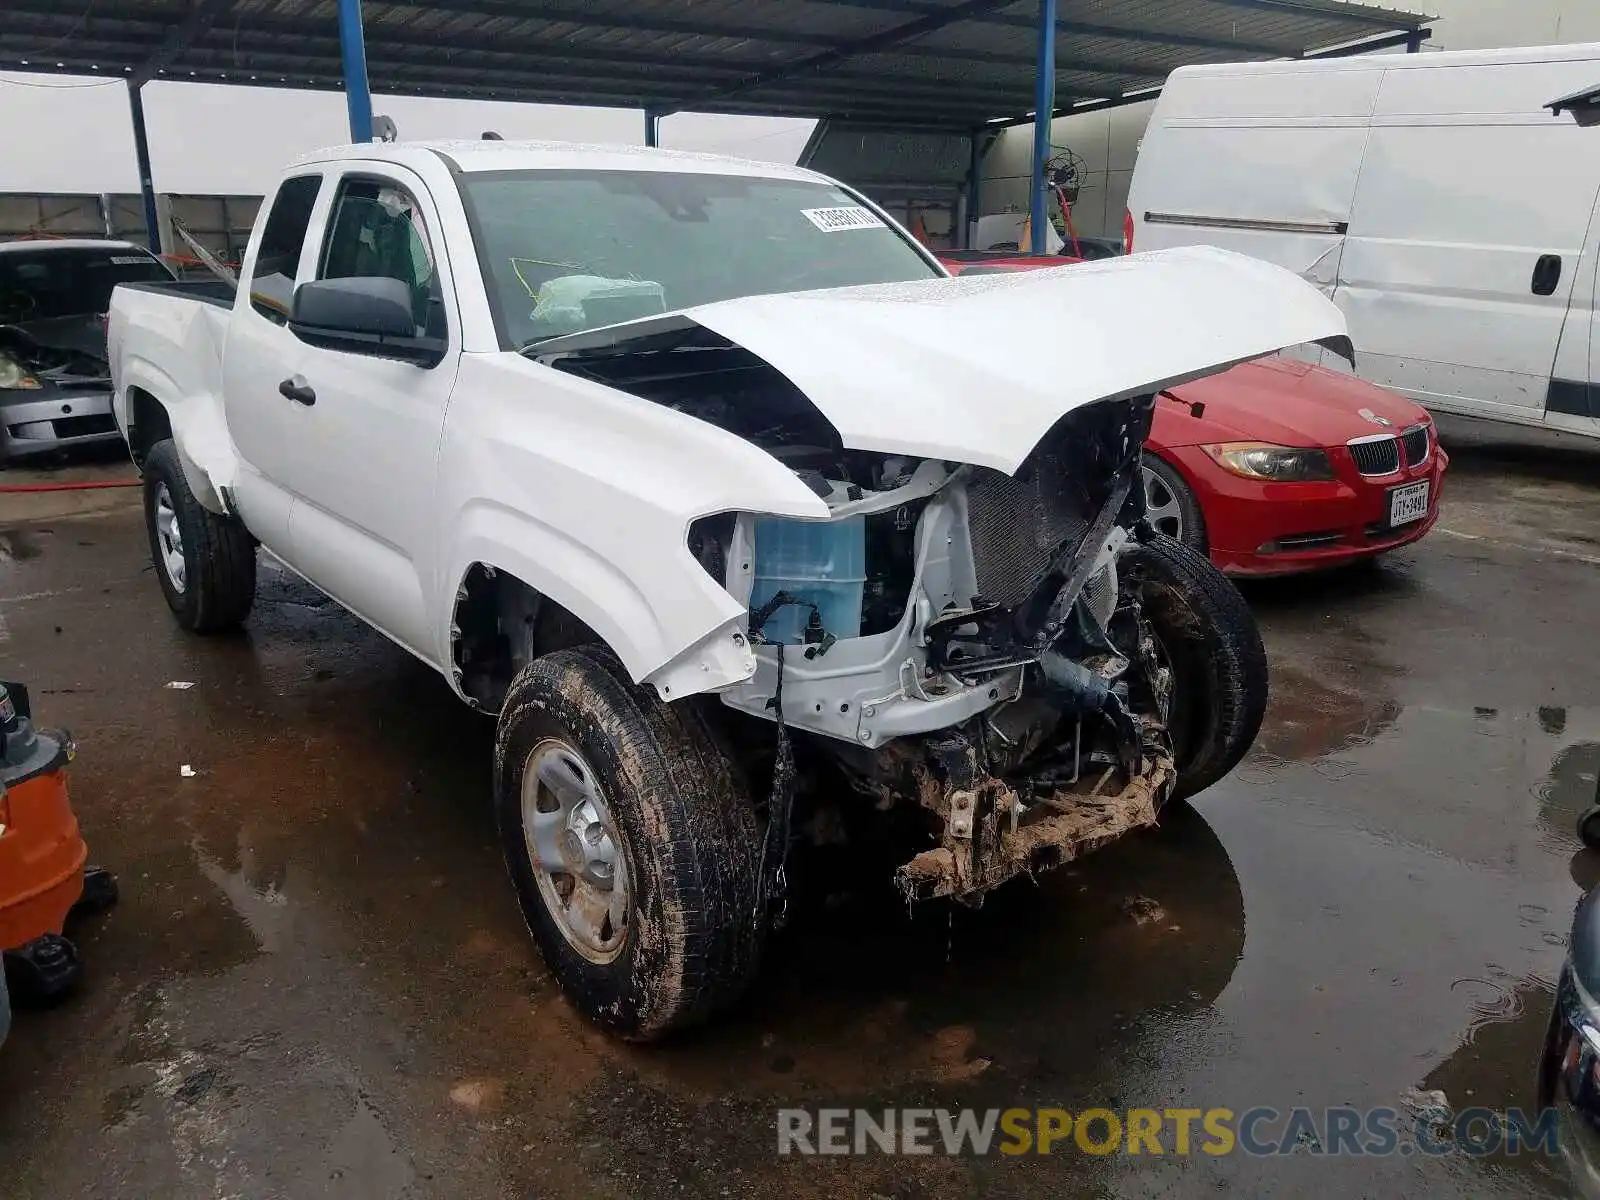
{"x": 1171, "y": 504}
{"x": 1219, "y": 665}
{"x": 205, "y": 563}
{"x": 599, "y": 785}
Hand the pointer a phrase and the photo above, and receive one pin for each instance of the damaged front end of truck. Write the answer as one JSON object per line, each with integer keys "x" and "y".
{"x": 1025, "y": 626}
{"x": 993, "y": 634}
{"x": 1001, "y": 674}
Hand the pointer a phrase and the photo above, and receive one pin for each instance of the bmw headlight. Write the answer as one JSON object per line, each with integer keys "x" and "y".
{"x": 13, "y": 377}
{"x": 1276, "y": 464}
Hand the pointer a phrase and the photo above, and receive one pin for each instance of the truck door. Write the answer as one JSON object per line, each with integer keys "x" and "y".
{"x": 365, "y": 460}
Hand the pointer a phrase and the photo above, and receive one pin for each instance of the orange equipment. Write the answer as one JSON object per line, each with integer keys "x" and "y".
{"x": 42, "y": 855}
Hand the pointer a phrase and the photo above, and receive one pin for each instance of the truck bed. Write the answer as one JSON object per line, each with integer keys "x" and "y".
{"x": 209, "y": 290}
{"x": 167, "y": 339}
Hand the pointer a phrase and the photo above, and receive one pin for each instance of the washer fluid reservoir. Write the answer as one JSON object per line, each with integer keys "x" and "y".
{"x": 821, "y": 563}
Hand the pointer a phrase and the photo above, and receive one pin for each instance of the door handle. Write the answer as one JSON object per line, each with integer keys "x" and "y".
{"x": 1546, "y": 274}
{"x": 297, "y": 389}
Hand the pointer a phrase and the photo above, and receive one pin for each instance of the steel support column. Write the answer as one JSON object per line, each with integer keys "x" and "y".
{"x": 353, "y": 52}
{"x": 652, "y": 128}
{"x": 147, "y": 184}
{"x": 975, "y": 145}
{"x": 1044, "y": 106}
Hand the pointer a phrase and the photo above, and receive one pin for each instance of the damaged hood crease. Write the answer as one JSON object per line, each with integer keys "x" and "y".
{"x": 977, "y": 369}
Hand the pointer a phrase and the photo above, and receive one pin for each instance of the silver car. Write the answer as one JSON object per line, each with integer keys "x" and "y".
{"x": 55, "y": 387}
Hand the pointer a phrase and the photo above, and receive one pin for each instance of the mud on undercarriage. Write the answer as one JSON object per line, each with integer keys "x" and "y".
{"x": 991, "y": 833}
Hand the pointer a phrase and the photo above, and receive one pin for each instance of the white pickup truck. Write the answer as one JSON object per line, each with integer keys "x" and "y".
{"x": 707, "y": 480}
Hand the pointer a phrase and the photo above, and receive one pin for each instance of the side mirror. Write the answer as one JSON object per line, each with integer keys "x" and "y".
{"x": 1584, "y": 106}
{"x": 363, "y": 314}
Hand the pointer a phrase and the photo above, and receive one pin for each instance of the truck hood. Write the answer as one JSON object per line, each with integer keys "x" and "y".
{"x": 978, "y": 369}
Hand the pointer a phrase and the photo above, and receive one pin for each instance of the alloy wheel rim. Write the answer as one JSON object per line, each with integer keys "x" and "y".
{"x": 1161, "y": 506}
{"x": 572, "y": 843}
{"x": 169, "y": 538}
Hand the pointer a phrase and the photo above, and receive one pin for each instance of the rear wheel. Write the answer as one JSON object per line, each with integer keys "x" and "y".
{"x": 1170, "y": 504}
{"x": 1219, "y": 666}
{"x": 634, "y": 855}
{"x": 205, "y": 562}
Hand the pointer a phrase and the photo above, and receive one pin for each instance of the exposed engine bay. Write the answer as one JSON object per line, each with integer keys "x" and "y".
{"x": 67, "y": 352}
{"x": 956, "y": 637}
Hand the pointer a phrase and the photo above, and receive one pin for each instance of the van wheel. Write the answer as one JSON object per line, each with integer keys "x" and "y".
{"x": 205, "y": 563}
{"x": 1170, "y": 504}
{"x": 1219, "y": 666}
{"x": 634, "y": 856}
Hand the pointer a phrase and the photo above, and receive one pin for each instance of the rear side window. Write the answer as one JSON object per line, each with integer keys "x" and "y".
{"x": 272, "y": 285}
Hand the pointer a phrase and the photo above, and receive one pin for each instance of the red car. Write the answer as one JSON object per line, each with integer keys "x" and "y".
{"x": 1278, "y": 466}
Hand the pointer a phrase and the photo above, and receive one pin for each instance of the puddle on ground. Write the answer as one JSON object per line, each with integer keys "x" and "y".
{"x": 19, "y": 545}
{"x": 1311, "y": 719}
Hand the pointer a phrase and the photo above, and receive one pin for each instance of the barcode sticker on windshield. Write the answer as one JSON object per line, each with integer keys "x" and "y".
{"x": 836, "y": 220}
{"x": 128, "y": 260}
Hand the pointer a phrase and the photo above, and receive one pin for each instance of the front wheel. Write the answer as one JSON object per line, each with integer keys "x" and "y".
{"x": 1219, "y": 666}
{"x": 634, "y": 855}
{"x": 205, "y": 562}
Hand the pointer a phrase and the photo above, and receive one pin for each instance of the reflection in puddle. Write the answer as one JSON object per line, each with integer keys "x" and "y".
{"x": 258, "y": 897}
{"x": 1476, "y": 1075}
{"x": 1570, "y": 790}
{"x": 19, "y": 545}
{"x": 865, "y": 999}
{"x": 1311, "y": 721}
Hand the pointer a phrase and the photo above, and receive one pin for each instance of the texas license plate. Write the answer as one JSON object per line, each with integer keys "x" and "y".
{"x": 1408, "y": 503}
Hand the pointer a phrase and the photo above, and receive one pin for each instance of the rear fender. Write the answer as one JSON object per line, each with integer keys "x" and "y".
{"x": 190, "y": 392}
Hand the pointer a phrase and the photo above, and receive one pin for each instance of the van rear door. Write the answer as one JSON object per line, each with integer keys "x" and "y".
{"x": 1464, "y": 243}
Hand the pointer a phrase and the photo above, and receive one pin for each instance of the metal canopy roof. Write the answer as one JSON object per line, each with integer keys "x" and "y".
{"x": 890, "y": 63}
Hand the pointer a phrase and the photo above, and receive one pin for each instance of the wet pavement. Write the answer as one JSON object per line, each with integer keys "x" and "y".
{"x": 317, "y": 983}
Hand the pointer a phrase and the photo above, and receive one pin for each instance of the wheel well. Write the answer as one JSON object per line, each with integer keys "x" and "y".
{"x": 148, "y": 424}
{"x": 500, "y": 625}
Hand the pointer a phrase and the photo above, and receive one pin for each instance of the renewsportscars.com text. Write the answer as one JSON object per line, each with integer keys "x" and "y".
{"x": 1171, "y": 1131}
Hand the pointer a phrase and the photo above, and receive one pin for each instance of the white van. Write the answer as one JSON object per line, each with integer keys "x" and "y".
{"x": 1446, "y": 201}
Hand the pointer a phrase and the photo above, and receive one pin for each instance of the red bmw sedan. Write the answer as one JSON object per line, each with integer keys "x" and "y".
{"x": 1278, "y": 466}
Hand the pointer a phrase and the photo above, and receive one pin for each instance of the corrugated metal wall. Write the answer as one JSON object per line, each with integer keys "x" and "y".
{"x": 219, "y": 223}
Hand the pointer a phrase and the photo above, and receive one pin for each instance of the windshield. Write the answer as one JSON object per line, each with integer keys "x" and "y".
{"x": 38, "y": 285}
{"x": 566, "y": 251}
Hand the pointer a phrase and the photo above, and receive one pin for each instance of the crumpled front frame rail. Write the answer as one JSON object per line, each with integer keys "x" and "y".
{"x": 980, "y": 850}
